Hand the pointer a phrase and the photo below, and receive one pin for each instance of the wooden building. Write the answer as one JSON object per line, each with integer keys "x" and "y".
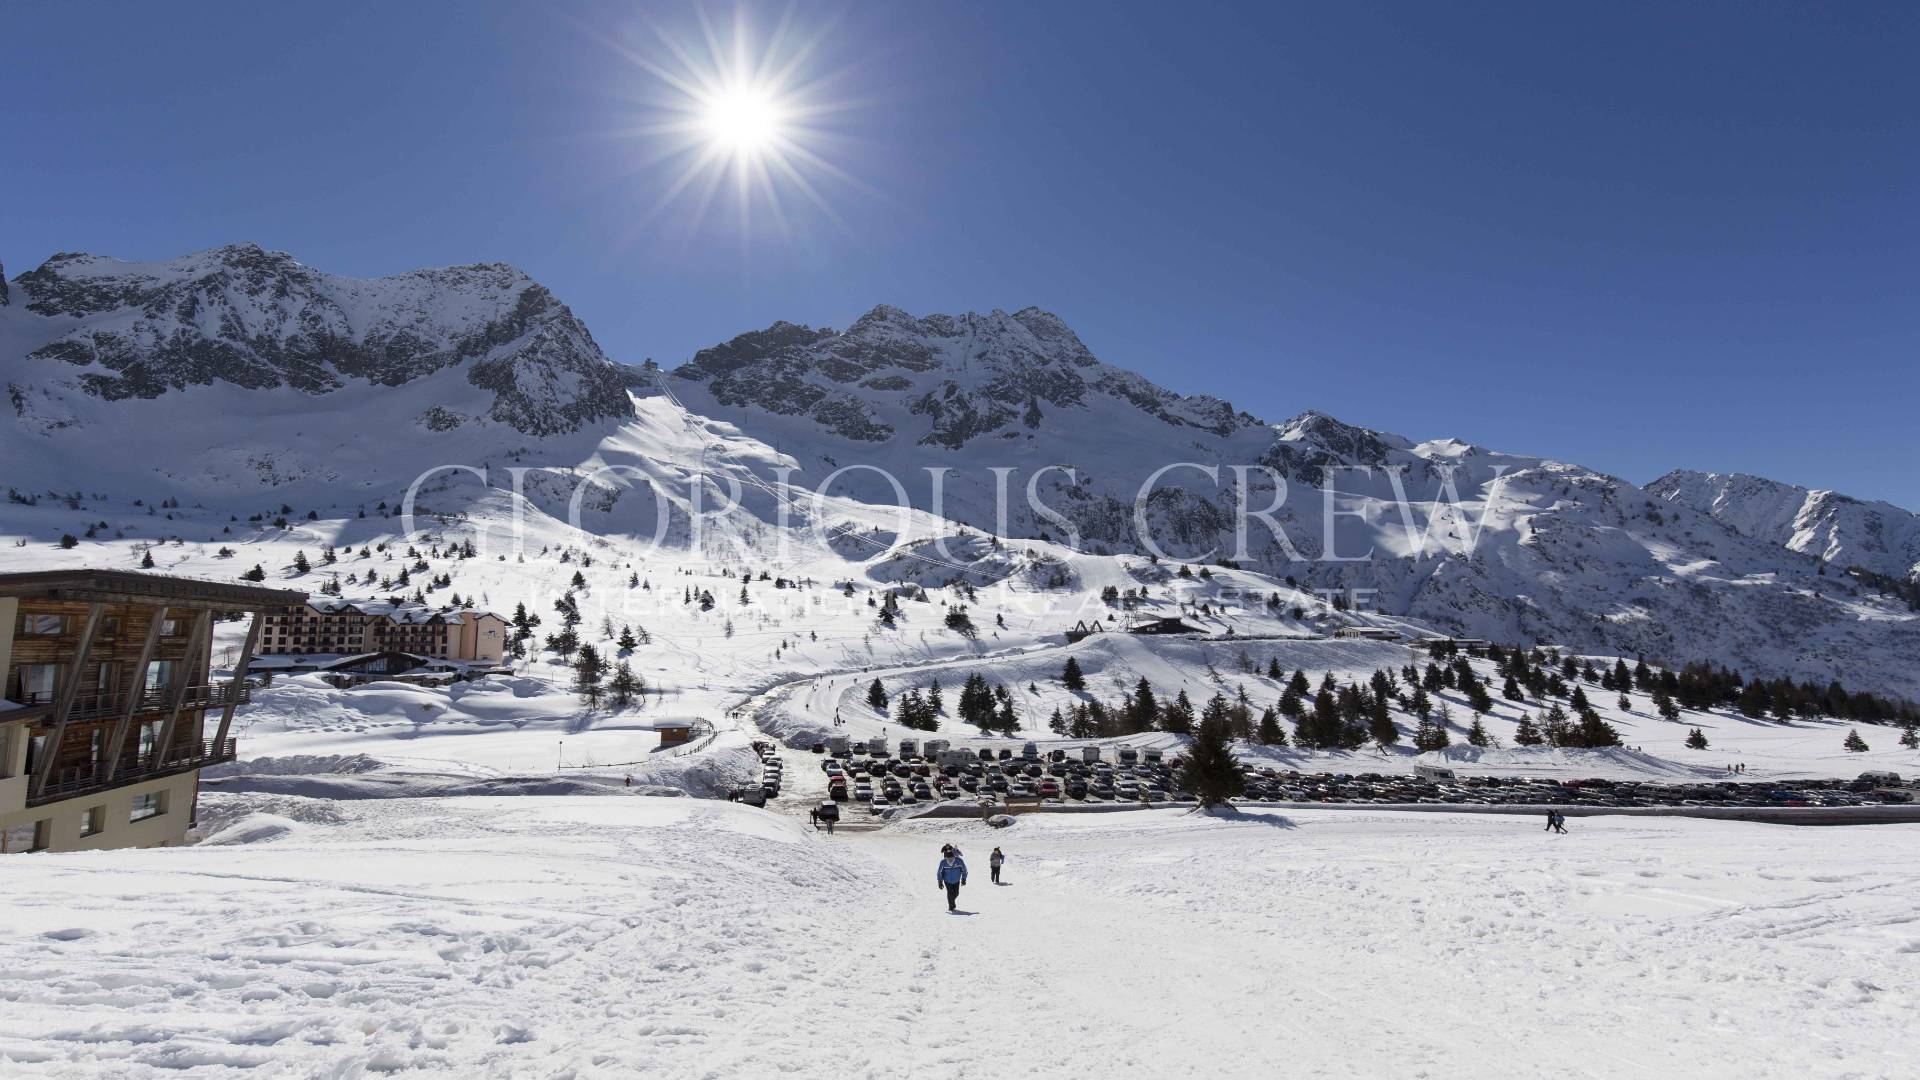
{"x": 674, "y": 731}
{"x": 108, "y": 710}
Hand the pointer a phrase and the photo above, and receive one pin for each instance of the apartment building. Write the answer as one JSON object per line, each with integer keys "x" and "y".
{"x": 108, "y": 711}
{"x": 354, "y": 627}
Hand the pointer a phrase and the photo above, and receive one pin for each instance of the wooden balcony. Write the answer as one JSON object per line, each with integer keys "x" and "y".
{"x": 107, "y": 706}
{"x": 73, "y": 783}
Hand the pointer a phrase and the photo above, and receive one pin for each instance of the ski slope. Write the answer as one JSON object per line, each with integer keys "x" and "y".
{"x": 619, "y": 936}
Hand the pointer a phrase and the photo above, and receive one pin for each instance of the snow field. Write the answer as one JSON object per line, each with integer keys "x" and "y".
{"x": 673, "y": 938}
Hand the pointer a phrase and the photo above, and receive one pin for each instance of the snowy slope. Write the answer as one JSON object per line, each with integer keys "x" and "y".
{"x": 281, "y": 386}
{"x": 88, "y": 327}
{"x": 612, "y": 937}
{"x": 1453, "y": 535}
{"x": 1835, "y": 528}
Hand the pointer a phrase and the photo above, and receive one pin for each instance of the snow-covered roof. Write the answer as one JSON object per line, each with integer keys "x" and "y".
{"x": 407, "y": 614}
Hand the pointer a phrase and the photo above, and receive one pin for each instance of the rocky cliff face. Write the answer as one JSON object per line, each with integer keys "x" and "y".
{"x": 1835, "y": 528}
{"x": 944, "y": 380}
{"x": 259, "y": 320}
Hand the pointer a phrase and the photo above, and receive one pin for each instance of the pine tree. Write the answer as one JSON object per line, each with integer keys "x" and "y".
{"x": 1057, "y": 723}
{"x": 627, "y": 641}
{"x": 1209, "y": 770}
{"x": 1421, "y": 705}
{"x": 1380, "y": 726}
{"x": 1431, "y": 735}
{"x": 1910, "y": 737}
{"x": 1270, "y": 732}
{"x": 1696, "y": 739}
{"x": 1855, "y": 744}
{"x": 1477, "y": 733}
{"x": 1008, "y": 722}
{"x": 255, "y": 574}
{"x": 1664, "y": 704}
{"x": 1177, "y": 717}
{"x": 1071, "y": 678}
{"x": 1143, "y": 708}
{"x": 1555, "y": 726}
{"x": 588, "y": 670}
{"x": 877, "y": 696}
{"x": 934, "y": 697}
{"x": 1526, "y": 733}
{"x": 625, "y": 686}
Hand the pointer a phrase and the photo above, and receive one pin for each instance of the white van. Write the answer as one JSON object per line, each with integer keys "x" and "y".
{"x": 909, "y": 748}
{"x": 1435, "y": 773}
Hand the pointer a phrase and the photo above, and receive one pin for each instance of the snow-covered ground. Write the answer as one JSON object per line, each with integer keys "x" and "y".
{"x": 620, "y": 936}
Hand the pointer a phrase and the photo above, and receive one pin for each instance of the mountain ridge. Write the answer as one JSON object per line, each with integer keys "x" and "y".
{"x": 969, "y": 413}
{"x": 259, "y": 319}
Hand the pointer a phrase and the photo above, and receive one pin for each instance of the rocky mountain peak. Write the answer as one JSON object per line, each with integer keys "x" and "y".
{"x": 963, "y": 377}
{"x": 260, "y": 319}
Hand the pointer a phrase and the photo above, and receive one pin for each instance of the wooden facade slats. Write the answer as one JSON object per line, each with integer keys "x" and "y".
{"x": 118, "y": 740}
{"x": 202, "y": 640}
{"x": 63, "y": 703}
{"x": 99, "y": 655}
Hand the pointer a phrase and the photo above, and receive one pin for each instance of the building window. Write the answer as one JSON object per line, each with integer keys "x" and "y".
{"x": 27, "y": 836}
{"x": 169, "y": 627}
{"x": 152, "y": 804}
{"x": 92, "y": 820}
{"x": 34, "y": 683}
{"x": 41, "y": 625}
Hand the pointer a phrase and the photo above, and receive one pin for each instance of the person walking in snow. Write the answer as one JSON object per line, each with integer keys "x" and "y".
{"x": 1550, "y": 818}
{"x": 951, "y": 875}
{"x": 993, "y": 863}
{"x": 1559, "y": 822}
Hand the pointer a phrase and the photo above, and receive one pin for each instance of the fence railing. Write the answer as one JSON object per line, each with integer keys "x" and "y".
{"x": 103, "y": 705}
{"x": 73, "y": 782}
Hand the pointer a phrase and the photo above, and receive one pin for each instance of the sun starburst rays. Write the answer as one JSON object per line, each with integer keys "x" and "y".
{"x": 738, "y": 121}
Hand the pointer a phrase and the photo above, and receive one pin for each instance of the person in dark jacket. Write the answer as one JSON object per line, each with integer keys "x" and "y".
{"x": 951, "y": 875}
{"x": 993, "y": 863}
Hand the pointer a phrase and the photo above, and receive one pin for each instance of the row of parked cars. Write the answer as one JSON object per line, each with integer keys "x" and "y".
{"x": 870, "y": 775}
{"x": 1269, "y": 785}
{"x": 996, "y": 775}
{"x": 771, "y": 770}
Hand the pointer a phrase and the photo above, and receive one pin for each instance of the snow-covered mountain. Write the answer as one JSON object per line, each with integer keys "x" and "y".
{"x": 259, "y": 320}
{"x": 237, "y": 376}
{"x": 1835, "y": 528}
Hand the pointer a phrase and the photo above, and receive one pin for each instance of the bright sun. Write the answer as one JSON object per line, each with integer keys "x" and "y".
{"x": 743, "y": 120}
{"x": 745, "y": 117}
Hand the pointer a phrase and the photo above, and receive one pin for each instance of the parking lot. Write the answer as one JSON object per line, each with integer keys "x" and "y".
{"x": 994, "y": 775}
{"x": 1269, "y": 785}
{"x": 875, "y": 779}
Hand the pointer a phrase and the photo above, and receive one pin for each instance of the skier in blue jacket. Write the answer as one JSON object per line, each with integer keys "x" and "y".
{"x": 952, "y": 874}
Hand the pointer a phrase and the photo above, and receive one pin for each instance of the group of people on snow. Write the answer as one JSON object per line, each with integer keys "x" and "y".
{"x": 952, "y": 872}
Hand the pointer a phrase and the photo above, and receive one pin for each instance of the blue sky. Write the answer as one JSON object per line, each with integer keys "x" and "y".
{"x": 1632, "y": 236}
